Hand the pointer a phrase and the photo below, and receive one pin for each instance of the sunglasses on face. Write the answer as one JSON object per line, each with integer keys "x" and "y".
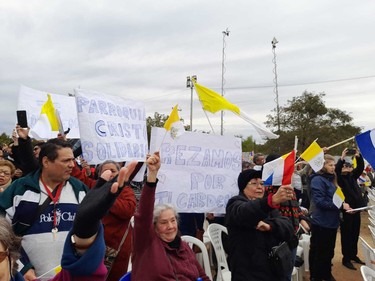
{"x": 3, "y": 255}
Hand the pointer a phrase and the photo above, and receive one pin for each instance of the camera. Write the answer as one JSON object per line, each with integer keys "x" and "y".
{"x": 351, "y": 151}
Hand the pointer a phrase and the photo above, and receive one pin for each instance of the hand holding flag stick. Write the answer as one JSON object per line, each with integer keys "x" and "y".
{"x": 283, "y": 193}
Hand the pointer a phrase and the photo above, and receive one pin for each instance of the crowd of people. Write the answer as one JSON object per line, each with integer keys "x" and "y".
{"x": 58, "y": 210}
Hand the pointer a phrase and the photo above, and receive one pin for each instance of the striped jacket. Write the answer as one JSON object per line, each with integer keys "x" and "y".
{"x": 19, "y": 204}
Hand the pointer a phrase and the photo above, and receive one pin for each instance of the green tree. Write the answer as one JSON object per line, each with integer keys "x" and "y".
{"x": 4, "y": 138}
{"x": 248, "y": 144}
{"x": 308, "y": 118}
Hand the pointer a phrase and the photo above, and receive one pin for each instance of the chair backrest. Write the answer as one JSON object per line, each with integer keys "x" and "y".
{"x": 371, "y": 192}
{"x": 371, "y": 213}
{"x": 372, "y": 230}
{"x": 214, "y": 231}
{"x": 206, "y": 262}
{"x": 372, "y": 221}
{"x": 304, "y": 242}
{"x": 131, "y": 227}
{"x": 369, "y": 253}
{"x": 371, "y": 199}
{"x": 368, "y": 274}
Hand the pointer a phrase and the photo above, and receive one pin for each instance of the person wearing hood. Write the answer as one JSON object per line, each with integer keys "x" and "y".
{"x": 254, "y": 227}
{"x": 347, "y": 177}
{"x": 325, "y": 220}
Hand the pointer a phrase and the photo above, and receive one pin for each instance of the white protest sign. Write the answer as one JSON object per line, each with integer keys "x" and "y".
{"x": 112, "y": 128}
{"x": 198, "y": 171}
{"x": 32, "y": 101}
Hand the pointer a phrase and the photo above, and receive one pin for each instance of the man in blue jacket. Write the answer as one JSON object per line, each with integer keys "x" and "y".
{"x": 42, "y": 207}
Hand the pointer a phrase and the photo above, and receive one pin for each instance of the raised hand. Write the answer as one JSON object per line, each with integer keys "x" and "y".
{"x": 23, "y": 133}
{"x": 284, "y": 193}
{"x": 153, "y": 166}
{"x": 99, "y": 200}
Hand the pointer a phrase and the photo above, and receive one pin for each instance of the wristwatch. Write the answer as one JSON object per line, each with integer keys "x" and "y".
{"x": 78, "y": 247}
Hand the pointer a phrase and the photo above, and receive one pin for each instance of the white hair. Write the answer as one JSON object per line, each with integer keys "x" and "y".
{"x": 158, "y": 209}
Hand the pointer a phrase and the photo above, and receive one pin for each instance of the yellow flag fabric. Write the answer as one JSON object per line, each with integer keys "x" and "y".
{"x": 212, "y": 101}
{"x": 173, "y": 117}
{"x": 314, "y": 155}
{"x": 58, "y": 269}
{"x": 338, "y": 197}
{"x": 49, "y": 110}
{"x": 354, "y": 162}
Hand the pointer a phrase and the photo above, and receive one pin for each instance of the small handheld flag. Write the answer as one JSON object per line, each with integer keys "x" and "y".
{"x": 174, "y": 124}
{"x": 280, "y": 170}
{"x": 314, "y": 155}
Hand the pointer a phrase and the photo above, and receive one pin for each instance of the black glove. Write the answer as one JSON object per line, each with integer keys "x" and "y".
{"x": 94, "y": 206}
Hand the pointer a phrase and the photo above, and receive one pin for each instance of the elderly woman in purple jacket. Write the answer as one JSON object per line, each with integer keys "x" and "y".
{"x": 158, "y": 251}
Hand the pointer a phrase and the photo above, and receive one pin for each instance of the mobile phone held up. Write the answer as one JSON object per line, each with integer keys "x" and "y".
{"x": 350, "y": 151}
{"x": 22, "y": 118}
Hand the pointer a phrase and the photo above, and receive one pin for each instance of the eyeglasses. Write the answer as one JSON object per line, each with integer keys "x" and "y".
{"x": 6, "y": 173}
{"x": 36, "y": 148}
{"x": 261, "y": 183}
{"x": 3, "y": 255}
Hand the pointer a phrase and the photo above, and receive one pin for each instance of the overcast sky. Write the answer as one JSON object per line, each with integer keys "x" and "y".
{"x": 144, "y": 50}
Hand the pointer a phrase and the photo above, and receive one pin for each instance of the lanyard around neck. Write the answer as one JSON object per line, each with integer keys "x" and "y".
{"x": 55, "y": 198}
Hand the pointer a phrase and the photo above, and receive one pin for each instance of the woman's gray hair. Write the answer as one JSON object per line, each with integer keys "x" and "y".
{"x": 11, "y": 242}
{"x": 107, "y": 162}
{"x": 158, "y": 209}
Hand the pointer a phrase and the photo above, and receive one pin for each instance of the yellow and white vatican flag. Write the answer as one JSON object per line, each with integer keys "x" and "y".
{"x": 174, "y": 124}
{"x": 213, "y": 102}
{"x": 338, "y": 197}
{"x": 48, "y": 121}
{"x": 314, "y": 155}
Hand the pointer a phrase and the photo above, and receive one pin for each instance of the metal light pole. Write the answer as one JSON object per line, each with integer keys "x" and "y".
{"x": 225, "y": 33}
{"x": 190, "y": 84}
{"x": 274, "y": 42}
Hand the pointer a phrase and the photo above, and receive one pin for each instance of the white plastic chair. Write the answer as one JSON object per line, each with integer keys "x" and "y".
{"x": 131, "y": 225}
{"x": 371, "y": 198}
{"x": 304, "y": 242}
{"x": 369, "y": 253}
{"x": 368, "y": 274}
{"x": 372, "y": 221}
{"x": 214, "y": 231}
{"x": 371, "y": 191}
{"x": 206, "y": 262}
{"x": 372, "y": 230}
{"x": 295, "y": 274}
{"x": 371, "y": 213}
